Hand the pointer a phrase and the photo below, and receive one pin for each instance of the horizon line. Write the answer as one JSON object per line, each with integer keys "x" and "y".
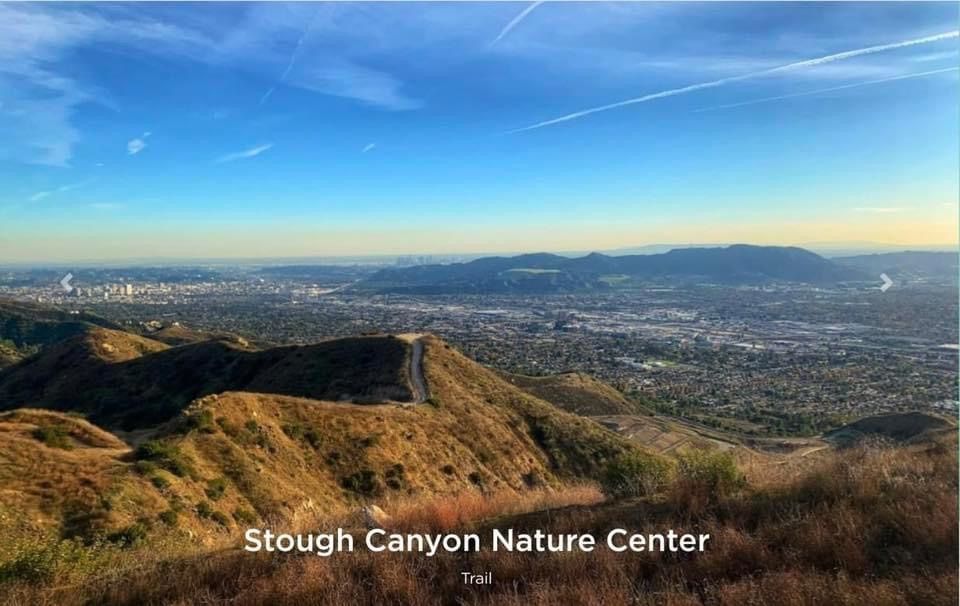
{"x": 826, "y": 248}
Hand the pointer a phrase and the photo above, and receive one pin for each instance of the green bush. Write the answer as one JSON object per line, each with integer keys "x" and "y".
{"x": 145, "y": 468}
{"x": 167, "y": 455}
{"x": 313, "y": 438}
{"x": 169, "y": 517}
{"x": 293, "y": 430}
{"x": 716, "y": 473}
{"x": 244, "y": 516}
{"x": 40, "y": 562}
{"x": 216, "y": 488}
{"x": 54, "y": 436}
{"x": 132, "y": 535}
{"x": 202, "y": 421}
{"x": 220, "y": 518}
{"x": 204, "y": 510}
{"x": 635, "y": 474}
{"x": 159, "y": 481}
{"x": 363, "y": 482}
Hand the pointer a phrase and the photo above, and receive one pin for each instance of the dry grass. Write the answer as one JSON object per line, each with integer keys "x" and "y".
{"x": 442, "y": 514}
{"x": 872, "y": 526}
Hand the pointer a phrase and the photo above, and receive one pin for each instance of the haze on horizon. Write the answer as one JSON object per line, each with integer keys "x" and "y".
{"x": 337, "y": 129}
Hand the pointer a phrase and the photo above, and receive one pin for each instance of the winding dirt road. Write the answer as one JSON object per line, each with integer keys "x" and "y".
{"x": 417, "y": 382}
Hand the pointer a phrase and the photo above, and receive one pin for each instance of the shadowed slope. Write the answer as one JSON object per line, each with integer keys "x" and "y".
{"x": 121, "y": 379}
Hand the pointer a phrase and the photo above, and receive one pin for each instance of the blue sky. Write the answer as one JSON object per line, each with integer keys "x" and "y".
{"x": 191, "y": 130}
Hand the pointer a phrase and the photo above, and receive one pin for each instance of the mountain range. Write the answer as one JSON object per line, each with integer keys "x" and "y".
{"x": 543, "y": 272}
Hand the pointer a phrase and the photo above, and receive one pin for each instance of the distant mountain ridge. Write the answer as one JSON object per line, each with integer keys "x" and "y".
{"x": 926, "y": 264}
{"x": 544, "y": 272}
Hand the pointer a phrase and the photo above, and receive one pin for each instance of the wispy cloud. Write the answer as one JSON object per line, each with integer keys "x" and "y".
{"x": 830, "y": 90}
{"x": 137, "y": 145}
{"x": 247, "y": 153}
{"x": 722, "y": 81}
{"x": 293, "y": 58}
{"x": 40, "y": 195}
{"x": 41, "y": 93}
{"x": 881, "y": 209}
{"x": 368, "y": 147}
{"x": 515, "y": 22}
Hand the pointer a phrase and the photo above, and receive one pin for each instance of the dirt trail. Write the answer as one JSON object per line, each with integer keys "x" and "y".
{"x": 420, "y": 393}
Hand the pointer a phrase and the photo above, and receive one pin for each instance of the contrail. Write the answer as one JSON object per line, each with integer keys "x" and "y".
{"x": 293, "y": 59}
{"x": 715, "y": 83}
{"x": 831, "y": 89}
{"x": 516, "y": 21}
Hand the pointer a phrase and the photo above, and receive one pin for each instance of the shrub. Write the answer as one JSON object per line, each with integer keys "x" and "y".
{"x": 169, "y": 517}
{"x": 131, "y": 535}
{"x": 313, "y": 438}
{"x": 704, "y": 478}
{"x": 713, "y": 473}
{"x": 204, "y": 510}
{"x": 244, "y": 516}
{"x": 167, "y": 455}
{"x": 202, "y": 421}
{"x": 40, "y": 562}
{"x": 293, "y": 430}
{"x": 220, "y": 518}
{"x": 145, "y": 468}
{"x": 54, "y": 436}
{"x": 216, "y": 488}
{"x": 363, "y": 482}
{"x": 635, "y": 474}
{"x": 159, "y": 481}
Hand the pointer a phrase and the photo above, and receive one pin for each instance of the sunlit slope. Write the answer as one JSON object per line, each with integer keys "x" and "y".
{"x": 233, "y": 458}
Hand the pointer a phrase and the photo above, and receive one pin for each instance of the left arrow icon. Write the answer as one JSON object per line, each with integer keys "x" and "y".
{"x": 65, "y": 282}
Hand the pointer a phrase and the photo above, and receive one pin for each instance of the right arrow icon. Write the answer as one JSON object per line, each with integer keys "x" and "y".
{"x": 887, "y": 282}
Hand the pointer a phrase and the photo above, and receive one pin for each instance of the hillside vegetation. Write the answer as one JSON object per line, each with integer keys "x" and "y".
{"x": 229, "y": 459}
{"x": 124, "y": 380}
{"x": 872, "y": 525}
{"x": 27, "y": 328}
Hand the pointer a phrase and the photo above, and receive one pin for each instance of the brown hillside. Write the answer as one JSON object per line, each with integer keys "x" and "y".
{"x": 895, "y": 426}
{"x": 123, "y": 380}
{"x": 578, "y": 393}
{"x": 230, "y": 459}
{"x": 582, "y": 394}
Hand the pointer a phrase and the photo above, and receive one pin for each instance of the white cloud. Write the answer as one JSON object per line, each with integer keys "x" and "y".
{"x": 790, "y": 67}
{"x": 247, "y": 153}
{"x": 515, "y": 21}
{"x": 831, "y": 89}
{"x": 41, "y": 95}
{"x": 368, "y": 147}
{"x": 352, "y": 81}
{"x": 40, "y": 195}
{"x": 135, "y": 146}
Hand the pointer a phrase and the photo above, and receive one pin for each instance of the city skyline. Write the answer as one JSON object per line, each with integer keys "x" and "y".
{"x": 295, "y": 130}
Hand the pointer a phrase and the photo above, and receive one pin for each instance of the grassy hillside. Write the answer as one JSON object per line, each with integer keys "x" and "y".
{"x": 231, "y": 459}
{"x": 865, "y": 526}
{"x": 901, "y": 427}
{"x": 578, "y": 393}
{"x": 124, "y": 380}
{"x": 26, "y": 328}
